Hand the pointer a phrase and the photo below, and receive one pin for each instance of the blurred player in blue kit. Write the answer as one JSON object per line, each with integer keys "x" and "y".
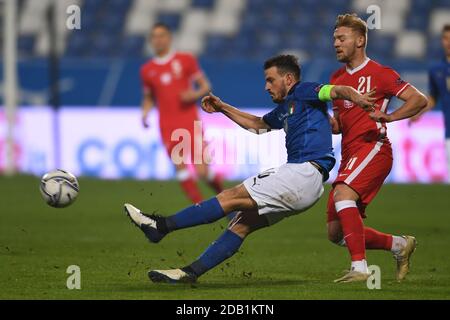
{"x": 439, "y": 83}
{"x": 277, "y": 193}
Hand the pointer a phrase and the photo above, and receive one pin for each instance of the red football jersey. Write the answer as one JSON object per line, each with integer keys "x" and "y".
{"x": 356, "y": 124}
{"x": 166, "y": 78}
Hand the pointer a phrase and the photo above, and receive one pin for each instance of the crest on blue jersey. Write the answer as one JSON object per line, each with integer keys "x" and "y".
{"x": 291, "y": 107}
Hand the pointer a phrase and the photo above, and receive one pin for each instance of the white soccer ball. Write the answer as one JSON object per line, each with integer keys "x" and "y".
{"x": 59, "y": 188}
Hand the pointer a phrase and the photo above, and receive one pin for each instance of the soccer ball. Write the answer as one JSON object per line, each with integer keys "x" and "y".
{"x": 59, "y": 188}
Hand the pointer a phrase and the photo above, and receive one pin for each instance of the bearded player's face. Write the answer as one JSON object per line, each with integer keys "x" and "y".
{"x": 160, "y": 40}
{"x": 276, "y": 84}
{"x": 345, "y": 43}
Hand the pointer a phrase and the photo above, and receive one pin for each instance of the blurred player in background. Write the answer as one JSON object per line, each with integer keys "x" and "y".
{"x": 276, "y": 193}
{"x": 174, "y": 81}
{"x": 439, "y": 82}
{"x": 366, "y": 150}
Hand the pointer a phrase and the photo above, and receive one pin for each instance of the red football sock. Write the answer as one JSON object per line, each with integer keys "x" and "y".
{"x": 353, "y": 229}
{"x": 191, "y": 189}
{"x": 216, "y": 183}
{"x": 377, "y": 240}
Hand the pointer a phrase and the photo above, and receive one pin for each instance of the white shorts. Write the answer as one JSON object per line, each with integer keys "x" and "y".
{"x": 284, "y": 191}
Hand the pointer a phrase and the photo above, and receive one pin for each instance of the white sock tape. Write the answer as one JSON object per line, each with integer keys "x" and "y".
{"x": 344, "y": 204}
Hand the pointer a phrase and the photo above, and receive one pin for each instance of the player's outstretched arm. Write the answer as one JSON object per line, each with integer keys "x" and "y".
{"x": 415, "y": 102}
{"x": 365, "y": 101}
{"x": 211, "y": 104}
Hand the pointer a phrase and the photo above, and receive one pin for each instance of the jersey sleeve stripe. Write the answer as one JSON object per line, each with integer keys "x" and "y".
{"x": 401, "y": 90}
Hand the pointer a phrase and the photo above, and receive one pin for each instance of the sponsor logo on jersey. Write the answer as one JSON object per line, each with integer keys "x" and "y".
{"x": 291, "y": 108}
{"x": 348, "y": 104}
{"x": 166, "y": 78}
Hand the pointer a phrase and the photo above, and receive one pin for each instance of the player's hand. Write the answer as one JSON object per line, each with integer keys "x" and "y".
{"x": 188, "y": 96}
{"x": 211, "y": 103}
{"x": 145, "y": 122}
{"x": 380, "y": 116}
{"x": 367, "y": 100}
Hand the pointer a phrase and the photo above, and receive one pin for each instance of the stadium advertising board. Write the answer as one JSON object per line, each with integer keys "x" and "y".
{"x": 111, "y": 143}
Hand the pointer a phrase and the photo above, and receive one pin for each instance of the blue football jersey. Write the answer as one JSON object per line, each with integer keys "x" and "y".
{"x": 439, "y": 82}
{"x": 304, "y": 118}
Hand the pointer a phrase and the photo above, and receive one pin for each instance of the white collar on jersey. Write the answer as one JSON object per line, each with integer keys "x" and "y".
{"x": 164, "y": 59}
{"x": 362, "y": 65}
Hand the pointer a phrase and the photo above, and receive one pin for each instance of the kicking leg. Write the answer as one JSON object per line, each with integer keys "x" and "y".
{"x": 301, "y": 187}
{"x": 223, "y": 248}
{"x": 156, "y": 227}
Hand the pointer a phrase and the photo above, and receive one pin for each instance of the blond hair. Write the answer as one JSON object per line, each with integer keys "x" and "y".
{"x": 352, "y": 21}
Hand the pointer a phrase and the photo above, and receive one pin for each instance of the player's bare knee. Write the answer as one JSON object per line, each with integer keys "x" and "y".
{"x": 231, "y": 193}
{"x": 339, "y": 195}
{"x": 343, "y": 192}
{"x": 226, "y": 195}
{"x": 236, "y": 198}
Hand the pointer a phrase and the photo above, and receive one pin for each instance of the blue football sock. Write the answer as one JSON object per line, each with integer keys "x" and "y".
{"x": 220, "y": 250}
{"x": 204, "y": 212}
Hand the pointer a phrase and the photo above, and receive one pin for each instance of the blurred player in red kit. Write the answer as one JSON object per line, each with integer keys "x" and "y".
{"x": 174, "y": 81}
{"x": 366, "y": 150}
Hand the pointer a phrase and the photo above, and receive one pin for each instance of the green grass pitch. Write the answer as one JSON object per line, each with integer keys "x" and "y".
{"x": 291, "y": 260}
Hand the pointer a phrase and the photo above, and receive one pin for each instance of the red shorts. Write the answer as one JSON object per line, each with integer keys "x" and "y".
{"x": 364, "y": 169}
{"x": 184, "y": 143}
